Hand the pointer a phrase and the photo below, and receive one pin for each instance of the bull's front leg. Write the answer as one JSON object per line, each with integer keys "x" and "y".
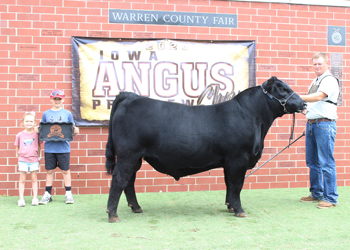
{"x": 234, "y": 179}
{"x": 228, "y": 191}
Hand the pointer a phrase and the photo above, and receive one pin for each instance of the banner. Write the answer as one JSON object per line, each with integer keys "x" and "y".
{"x": 182, "y": 71}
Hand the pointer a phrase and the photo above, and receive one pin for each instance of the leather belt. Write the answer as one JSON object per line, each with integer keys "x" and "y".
{"x": 312, "y": 121}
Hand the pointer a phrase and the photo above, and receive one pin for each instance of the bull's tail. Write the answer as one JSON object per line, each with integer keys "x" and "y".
{"x": 110, "y": 150}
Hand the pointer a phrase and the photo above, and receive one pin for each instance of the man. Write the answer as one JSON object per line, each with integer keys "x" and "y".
{"x": 320, "y": 133}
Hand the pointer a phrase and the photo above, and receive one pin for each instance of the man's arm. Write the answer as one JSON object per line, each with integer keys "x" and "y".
{"x": 315, "y": 97}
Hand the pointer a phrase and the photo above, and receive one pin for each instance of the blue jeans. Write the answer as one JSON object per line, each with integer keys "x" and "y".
{"x": 320, "y": 137}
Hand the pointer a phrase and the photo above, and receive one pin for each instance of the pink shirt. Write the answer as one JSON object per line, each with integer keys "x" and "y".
{"x": 28, "y": 144}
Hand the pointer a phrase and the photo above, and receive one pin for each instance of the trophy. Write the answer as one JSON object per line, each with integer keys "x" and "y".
{"x": 56, "y": 131}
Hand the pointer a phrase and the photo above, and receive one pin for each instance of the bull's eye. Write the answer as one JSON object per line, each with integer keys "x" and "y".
{"x": 283, "y": 90}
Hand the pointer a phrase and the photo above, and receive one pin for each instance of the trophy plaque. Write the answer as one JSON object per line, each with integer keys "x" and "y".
{"x": 56, "y": 131}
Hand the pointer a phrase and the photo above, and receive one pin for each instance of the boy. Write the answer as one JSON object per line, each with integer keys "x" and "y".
{"x": 57, "y": 153}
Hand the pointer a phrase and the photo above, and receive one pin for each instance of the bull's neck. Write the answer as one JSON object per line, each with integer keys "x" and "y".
{"x": 263, "y": 109}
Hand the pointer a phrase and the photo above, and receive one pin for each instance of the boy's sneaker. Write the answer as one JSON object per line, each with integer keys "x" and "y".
{"x": 35, "y": 202}
{"x": 21, "y": 203}
{"x": 69, "y": 198}
{"x": 45, "y": 199}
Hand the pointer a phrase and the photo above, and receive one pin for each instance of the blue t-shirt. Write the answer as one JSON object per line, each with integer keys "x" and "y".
{"x": 61, "y": 115}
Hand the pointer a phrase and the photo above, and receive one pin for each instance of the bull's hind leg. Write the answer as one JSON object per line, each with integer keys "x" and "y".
{"x": 234, "y": 178}
{"x": 121, "y": 175}
{"x": 131, "y": 195}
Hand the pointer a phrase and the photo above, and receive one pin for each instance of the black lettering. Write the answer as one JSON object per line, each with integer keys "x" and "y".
{"x": 133, "y": 55}
{"x": 95, "y": 103}
{"x": 109, "y": 104}
{"x": 153, "y": 56}
{"x": 115, "y": 55}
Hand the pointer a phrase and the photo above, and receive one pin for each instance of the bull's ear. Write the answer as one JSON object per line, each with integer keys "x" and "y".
{"x": 272, "y": 80}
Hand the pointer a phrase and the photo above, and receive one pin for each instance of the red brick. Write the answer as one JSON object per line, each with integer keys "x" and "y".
{"x": 8, "y": 16}
{"x": 74, "y": 19}
{"x": 51, "y": 18}
{"x": 100, "y": 19}
{"x": 153, "y": 174}
{"x": 97, "y": 183}
{"x": 164, "y": 181}
{"x": 89, "y": 190}
{"x": 97, "y": 5}
{"x": 205, "y": 180}
{"x": 74, "y": 4}
{"x": 198, "y": 187}
{"x": 44, "y": 10}
{"x": 57, "y": 3}
{"x": 144, "y": 182}
{"x": 21, "y": 54}
{"x": 88, "y": 11}
{"x": 8, "y": 32}
{"x": 260, "y": 185}
{"x": 30, "y": 17}
{"x": 44, "y": 25}
{"x": 20, "y": 39}
{"x": 216, "y": 187}
{"x": 90, "y": 26}
{"x": 279, "y": 185}
{"x": 7, "y": 185}
{"x": 155, "y": 189}
{"x": 182, "y": 188}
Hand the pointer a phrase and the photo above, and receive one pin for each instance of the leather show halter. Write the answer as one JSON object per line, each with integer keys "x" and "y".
{"x": 282, "y": 102}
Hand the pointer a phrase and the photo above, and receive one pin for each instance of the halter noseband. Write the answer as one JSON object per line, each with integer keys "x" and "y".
{"x": 282, "y": 102}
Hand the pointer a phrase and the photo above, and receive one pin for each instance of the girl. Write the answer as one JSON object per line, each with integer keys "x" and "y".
{"x": 28, "y": 153}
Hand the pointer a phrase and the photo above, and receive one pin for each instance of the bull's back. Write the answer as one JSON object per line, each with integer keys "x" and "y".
{"x": 148, "y": 125}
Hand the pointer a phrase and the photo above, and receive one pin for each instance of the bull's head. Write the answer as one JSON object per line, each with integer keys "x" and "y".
{"x": 281, "y": 92}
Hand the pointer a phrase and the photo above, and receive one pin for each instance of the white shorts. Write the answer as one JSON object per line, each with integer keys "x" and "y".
{"x": 28, "y": 166}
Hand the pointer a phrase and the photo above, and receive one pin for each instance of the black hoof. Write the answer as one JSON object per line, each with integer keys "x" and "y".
{"x": 231, "y": 210}
{"x": 242, "y": 215}
{"x": 113, "y": 219}
{"x": 137, "y": 211}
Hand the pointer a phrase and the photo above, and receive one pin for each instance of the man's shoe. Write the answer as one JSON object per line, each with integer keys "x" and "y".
{"x": 326, "y": 204}
{"x": 45, "y": 199}
{"x": 308, "y": 199}
{"x": 69, "y": 198}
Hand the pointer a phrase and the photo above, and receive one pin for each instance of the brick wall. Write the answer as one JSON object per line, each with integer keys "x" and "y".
{"x": 35, "y": 57}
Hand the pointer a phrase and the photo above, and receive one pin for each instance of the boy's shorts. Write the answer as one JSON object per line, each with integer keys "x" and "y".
{"x": 28, "y": 166}
{"x": 54, "y": 160}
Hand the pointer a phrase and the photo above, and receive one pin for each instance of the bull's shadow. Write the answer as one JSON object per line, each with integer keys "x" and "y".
{"x": 181, "y": 140}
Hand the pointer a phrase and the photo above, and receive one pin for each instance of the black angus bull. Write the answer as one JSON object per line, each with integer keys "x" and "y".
{"x": 180, "y": 140}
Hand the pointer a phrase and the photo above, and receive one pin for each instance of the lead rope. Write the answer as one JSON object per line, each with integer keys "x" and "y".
{"x": 292, "y": 130}
{"x": 290, "y": 143}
